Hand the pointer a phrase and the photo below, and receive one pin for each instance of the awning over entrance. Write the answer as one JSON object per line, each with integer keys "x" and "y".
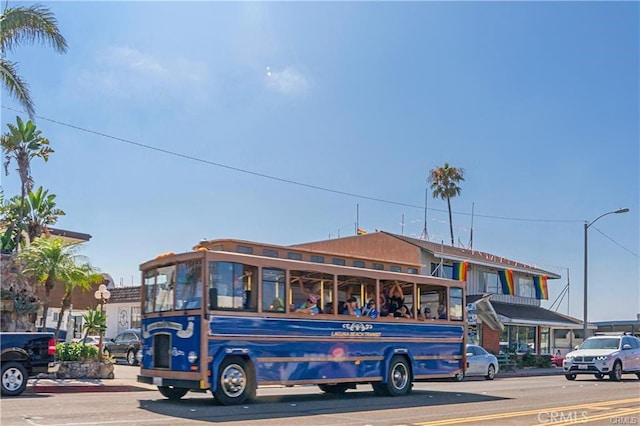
{"x": 509, "y": 313}
{"x": 487, "y": 314}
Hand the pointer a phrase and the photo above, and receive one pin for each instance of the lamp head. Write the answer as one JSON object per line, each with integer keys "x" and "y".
{"x": 624, "y": 210}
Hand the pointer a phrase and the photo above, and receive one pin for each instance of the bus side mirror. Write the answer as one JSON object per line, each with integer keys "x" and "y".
{"x": 213, "y": 298}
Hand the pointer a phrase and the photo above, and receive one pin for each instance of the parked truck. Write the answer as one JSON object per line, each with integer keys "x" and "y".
{"x": 25, "y": 355}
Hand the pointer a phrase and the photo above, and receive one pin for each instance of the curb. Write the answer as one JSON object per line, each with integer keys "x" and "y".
{"x": 52, "y": 386}
{"x": 83, "y": 388}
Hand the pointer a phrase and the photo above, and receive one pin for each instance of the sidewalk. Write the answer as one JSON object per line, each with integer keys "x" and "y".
{"x": 126, "y": 381}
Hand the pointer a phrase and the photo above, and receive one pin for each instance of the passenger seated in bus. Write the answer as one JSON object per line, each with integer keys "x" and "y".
{"x": 310, "y": 306}
{"x": 403, "y": 312}
{"x": 396, "y": 298}
{"x": 371, "y": 304}
{"x": 328, "y": 307}
{"x": 351, "y": 307}
{"x": 277, "y": 305}
{"x": 442, "y": 312}
{"x": 427, "y": 313}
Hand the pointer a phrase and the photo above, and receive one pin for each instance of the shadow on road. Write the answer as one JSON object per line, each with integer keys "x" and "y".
{"x": 270, "y": 407}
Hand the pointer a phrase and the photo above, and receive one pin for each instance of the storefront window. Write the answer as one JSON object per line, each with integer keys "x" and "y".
{"x": 518, "y": 338}
{"x": 545, "y": 341}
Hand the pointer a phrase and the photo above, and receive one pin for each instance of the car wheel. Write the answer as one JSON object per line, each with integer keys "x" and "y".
{"x": 599, "y": 376}
{"x": 491, "y": 372}
{"x": 14, "y": 379}
{"x": 458, "y": 377}
{"x": 337, "y": 389}
{"x": 172, "y": 393}
{"x": 570, "y": 376}
{"x": 235, "y": 382}
{"x": 131, "y": 357}
{"x": 616, "y": 373}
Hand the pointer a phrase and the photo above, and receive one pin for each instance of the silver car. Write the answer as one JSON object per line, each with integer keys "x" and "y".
{"x": 480, "y": 363}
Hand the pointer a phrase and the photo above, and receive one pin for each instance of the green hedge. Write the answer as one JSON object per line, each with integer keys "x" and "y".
{"x": 76, "y": 352}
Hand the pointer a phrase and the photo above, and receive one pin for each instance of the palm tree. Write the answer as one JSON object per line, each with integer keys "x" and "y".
{"x": 23, "y": 143}
{"x": 444, "y": 184}
{"x": 95, "y": 322}
{"x": 50, "y": 261}
{"x": 41, "y": 212}
{"x": 8, "y": 222}
{"x": 25, "y": 25}
{"x": 83, "y": 277}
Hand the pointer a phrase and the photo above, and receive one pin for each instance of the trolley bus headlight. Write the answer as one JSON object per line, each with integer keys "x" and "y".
{"x": 192, "y": 357}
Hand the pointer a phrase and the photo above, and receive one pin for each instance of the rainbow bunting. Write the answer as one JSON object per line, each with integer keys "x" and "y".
{"x": 361, "y": 231}
{"x": 506, "y": 279}
{"x": 540, "y": 284}
{"x": 460, "y": 271}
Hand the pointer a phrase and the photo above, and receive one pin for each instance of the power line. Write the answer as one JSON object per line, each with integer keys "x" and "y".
{"x": 279, "y": 179}
{"x": 616, "y": 243}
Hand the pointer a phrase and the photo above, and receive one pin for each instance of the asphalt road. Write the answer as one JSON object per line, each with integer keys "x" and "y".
{"x": 515, "y": 401}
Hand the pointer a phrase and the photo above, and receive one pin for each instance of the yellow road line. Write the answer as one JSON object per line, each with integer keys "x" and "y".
{"x": 525, "y": 413}
{"x": 602, "y": 416}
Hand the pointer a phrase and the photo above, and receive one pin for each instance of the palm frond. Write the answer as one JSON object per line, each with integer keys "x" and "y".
{"x": 16, "y": 86}
{"x": 28, "y": 25}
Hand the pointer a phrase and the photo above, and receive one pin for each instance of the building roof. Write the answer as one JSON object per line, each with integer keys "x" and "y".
{"x": 472, "y": 256}
{"x": 125, "y": 295}
{"x": 69, "y": 236}
{"x": 529, "y": 314}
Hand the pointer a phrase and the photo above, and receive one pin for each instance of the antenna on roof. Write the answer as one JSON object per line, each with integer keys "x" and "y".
{"x": 425, "y": 234}
{"x": 471, "y": 236}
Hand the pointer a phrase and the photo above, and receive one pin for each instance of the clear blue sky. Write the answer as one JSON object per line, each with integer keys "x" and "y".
{"x": 536, "y": 101}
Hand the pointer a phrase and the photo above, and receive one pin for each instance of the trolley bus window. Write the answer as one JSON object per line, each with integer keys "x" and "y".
{"x": 273, "y": 290}
{"x": 455, "y": 304}
{"x": 232, "y": 285}
{"x": 159, "y": 289}
{"x": 189, "y": 285}
{"x": 164, "y": 288}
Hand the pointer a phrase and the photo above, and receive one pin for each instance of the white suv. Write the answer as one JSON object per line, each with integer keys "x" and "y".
{"x": 604, "y": 355}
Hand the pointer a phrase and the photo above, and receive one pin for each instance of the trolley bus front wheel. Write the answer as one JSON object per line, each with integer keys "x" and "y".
{"x": 236, "y": 383}
{"x": 172, "y": 393}
{"x": 398, "y": 379}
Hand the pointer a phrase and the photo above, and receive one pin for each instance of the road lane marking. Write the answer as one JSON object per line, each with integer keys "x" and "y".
{"x": 610, "y": 415}
{"x": 507, "y": 415}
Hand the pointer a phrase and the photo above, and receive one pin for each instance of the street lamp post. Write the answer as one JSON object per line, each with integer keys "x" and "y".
{"x": 102, "y": 294}
{"x": 586, "y": 227}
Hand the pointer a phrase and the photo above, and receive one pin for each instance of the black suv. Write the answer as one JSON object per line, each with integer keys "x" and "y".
{"x": 125, "y": 345}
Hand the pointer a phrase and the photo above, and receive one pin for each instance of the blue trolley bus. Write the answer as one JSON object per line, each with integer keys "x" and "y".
{"x": 232, "y": 315}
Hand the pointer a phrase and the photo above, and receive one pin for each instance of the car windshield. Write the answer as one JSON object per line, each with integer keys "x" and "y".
{"x": 609, "y": 343}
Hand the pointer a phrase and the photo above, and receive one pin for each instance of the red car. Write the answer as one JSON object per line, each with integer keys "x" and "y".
{"x": 556, "y": 361}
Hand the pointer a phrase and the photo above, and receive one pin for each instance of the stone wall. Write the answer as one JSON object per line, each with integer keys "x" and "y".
{"x": 82, "y": 370}
{"x": 19, "y": 299}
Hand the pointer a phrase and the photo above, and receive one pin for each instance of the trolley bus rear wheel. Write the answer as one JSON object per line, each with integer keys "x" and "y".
{"x": 236, "y": 383}
{"x": 337, "y": 389}
{"x": 398, "y": 377}
{"x": 172, "y": 393}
